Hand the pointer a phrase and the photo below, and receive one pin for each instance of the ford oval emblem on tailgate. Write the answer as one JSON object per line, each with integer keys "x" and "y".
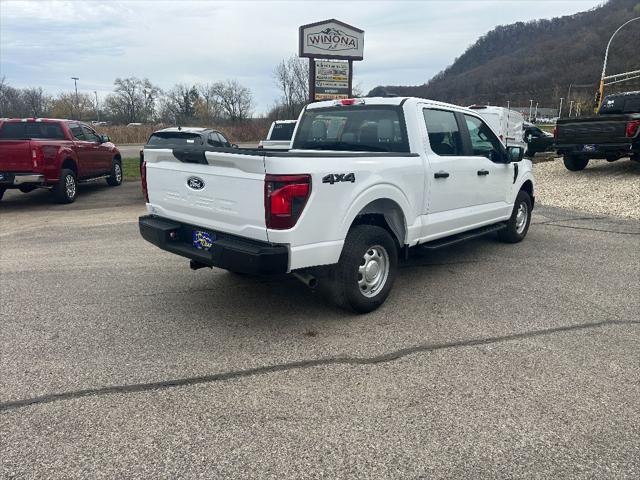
{"x": 195, "y": 183}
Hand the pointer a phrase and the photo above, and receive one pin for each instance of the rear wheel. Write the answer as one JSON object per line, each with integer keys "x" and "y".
{"x": 115, "y": 178}
{"x": 575, "y": 163}
{"x": 66, "y": 189}
{"x": 364, "y": 275}
{"x": 518, "y": 224}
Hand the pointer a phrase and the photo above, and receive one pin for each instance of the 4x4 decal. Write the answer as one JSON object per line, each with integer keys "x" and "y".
{"x": 339, "y": 177}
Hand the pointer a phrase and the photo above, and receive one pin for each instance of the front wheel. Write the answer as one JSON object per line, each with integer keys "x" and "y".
{"x": 518, "y": 224}
{"x": 574, "y": 163}
{"x": 66, "y": 189}
{"x": 115, "y": 178}
{"x": 364, "y": 275}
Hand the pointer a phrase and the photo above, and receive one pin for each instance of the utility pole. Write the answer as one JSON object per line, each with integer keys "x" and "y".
{"x": 535, "y": 115}
{"x": 570, "y": 108}
{"x": 604, "y": 64}
{"x": 560, "y": 111}
{"x": 97, "y": 105}
{"x": 530, "y": 108}
{"x": 75, "y": 82}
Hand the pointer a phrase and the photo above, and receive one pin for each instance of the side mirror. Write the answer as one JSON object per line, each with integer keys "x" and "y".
{"x": 105, "y": 139}
{"x": 234, "y": 145}
{"x": 515, "y": 154}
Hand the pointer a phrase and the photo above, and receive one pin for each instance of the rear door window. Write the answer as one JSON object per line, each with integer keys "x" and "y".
{"x": 31, "y": 130}
{"x": 363, "y": 128}
{"x": 443, "y": 131}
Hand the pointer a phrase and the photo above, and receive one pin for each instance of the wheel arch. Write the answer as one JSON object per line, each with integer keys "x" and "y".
{"x": 385, "y": 213}
{"x": 527, "y": 186}
{"x": 70, "y": 164}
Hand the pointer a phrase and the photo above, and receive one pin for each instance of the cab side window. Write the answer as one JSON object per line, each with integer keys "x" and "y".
{"x": 483, "y": 141}
{"x": 444, "y": 133}
{"x": 76, "y": 131}
{"x": 223, "y": 140}
{"x": 90, "y": 135}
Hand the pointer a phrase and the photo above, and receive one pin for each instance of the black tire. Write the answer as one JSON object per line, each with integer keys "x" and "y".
{"x": 516, "y": 231}
{"x": 115, "y": 178}
{"x": 574, "y": 163}
{"x": 66, "y": 190}
{"x": 2, "y": 190}
{"x": 344, "y": 281}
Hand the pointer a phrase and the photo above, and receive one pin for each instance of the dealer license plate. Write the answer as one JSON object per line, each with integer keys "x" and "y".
{"x": 203, "y": 240}
{"x": 588, "y": 148}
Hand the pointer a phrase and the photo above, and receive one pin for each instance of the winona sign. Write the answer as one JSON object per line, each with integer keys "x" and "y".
{"x": 332, "y": 39}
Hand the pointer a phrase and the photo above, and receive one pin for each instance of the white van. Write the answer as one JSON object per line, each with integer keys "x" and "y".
{"x": 508, "y": 124}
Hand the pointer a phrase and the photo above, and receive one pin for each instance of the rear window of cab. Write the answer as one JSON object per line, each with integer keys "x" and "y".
{"x": 31, "y": 130}
{"x": 363, "y": 128}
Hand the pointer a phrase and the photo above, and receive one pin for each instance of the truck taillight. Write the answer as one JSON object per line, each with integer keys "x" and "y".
{"x": 37, "y": 156}
{"x": 555, "y": 133}
{"x": 143, "y": 179}
{"x": 632, "y": 128}
{"x": 285, "y": 197}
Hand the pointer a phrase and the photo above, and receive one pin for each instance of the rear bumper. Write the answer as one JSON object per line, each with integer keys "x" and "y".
{"x": 600, "y": 150}
{"x": 230, "y": 252}
{"x": 17, "y": 179}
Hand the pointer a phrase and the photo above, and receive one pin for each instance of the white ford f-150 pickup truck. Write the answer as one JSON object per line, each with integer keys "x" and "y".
{"x": 365, "y": 180}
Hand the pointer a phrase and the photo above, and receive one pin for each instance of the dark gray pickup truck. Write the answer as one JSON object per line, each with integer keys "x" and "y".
{"x": 612, "y": 134}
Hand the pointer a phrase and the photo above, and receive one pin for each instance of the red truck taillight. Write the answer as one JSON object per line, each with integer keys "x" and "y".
{"x": 632, "y": 128}
{"x": 37, "y": 156}
{"x": 285, "y": 197}
{"x": 555, "y": 133}
{"x": 143, "y": 179}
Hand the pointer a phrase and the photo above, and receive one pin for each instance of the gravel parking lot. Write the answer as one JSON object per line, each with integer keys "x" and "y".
{"x": 487, "y": 361}
{"x": 603, "y": 188}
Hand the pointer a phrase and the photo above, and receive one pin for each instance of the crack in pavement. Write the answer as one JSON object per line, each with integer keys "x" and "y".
{"x": 302, "y": 364}
{"x": 553, "y": 224}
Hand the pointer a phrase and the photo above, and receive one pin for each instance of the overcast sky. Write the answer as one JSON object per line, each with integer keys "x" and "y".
{"x": 45, "y": 43}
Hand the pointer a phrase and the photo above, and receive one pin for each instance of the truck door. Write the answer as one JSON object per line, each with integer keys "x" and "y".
{"x": 450, "y": 196}
{"x": 84, "y": 151}
{"x": 101, "y": 156}
{"x": 491, "y": 177}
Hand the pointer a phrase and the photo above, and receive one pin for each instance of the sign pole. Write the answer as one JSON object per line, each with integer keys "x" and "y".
{"x": 312, "y": 80}
{"x": 350, "y": 78}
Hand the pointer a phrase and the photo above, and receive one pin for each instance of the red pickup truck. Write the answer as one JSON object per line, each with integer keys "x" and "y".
{"x": 55, "y": 154}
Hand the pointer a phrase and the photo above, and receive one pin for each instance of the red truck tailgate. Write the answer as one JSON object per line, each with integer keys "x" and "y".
{"x": 15, "y": 156}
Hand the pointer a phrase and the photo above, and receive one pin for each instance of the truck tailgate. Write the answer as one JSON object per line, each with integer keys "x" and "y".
{"x": 15, "y": 156}
{"x": 225, "y": 194}
{"x": 603, "y": 129}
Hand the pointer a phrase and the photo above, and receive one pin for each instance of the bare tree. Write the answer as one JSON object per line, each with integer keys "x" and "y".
{"x": 180, "y": 103}
{"x": 292, "y": 78}
{"x": 236, "y": 100}
{"x": 208, "y": 106}
{"x": 68, "y": 105}
{"x": 133, "y": 100}
{"x": 36, "y": 101}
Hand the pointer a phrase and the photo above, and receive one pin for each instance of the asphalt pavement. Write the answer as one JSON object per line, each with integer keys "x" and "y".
{"x": 487, "y": 360}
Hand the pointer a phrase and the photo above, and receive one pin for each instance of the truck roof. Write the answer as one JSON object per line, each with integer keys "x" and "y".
{"x": 397, "y": 101}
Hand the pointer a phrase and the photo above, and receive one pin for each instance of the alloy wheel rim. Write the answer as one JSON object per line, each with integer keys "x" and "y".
{"x": 521, "y": 218}
{"x": 373, "y": 271}
{"x": 118, "y": 172}
{"x": 70, "y": 185}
